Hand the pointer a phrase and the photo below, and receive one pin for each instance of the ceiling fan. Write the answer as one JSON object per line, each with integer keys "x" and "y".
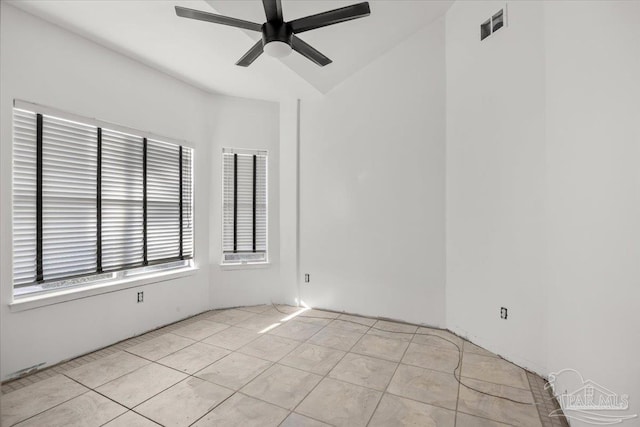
{"x": 279, "y": 37}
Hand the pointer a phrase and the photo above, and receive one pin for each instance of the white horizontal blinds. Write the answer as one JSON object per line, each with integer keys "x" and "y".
{"x": 261, "y": 203}
{"x": 228, "y": 206}
{"x": 122, "y": 196}
{"x": 24, "y": 197}
{"x": 244, "y": 206}
{"x": 163, "y": 200}
{"x": 85, "y": 201}
{"x": 187, "y": 203}
{"x": 69, "y": 213}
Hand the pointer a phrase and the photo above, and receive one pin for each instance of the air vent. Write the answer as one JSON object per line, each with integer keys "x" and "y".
{"x": 498, "y": 20}
{"x": 485, "y": 29}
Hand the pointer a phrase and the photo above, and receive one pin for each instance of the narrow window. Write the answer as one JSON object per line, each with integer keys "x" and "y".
{"x": 244, "y": 206}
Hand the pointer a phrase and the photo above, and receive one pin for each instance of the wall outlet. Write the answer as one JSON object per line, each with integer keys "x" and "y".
{"x": 307, "y": 279}
{"x": 140, "y": 296}
{"x": 503, "y": 312}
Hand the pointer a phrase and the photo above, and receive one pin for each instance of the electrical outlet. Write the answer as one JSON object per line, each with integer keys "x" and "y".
{"x": 307, "y": 279}
{"x": 503, "y": 312}
{"x": 140, "y": 296}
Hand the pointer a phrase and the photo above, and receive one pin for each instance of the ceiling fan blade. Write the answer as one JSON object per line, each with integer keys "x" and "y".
{"x": 309, "y": 51}
{"x": 184, "y": 12}
{"x": 331, "y": 17}
{"x": 273, "y": 10}
{"x": 251, "y": 55}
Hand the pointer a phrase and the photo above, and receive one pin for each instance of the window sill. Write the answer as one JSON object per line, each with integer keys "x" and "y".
{"x": 30, "y": 302}
{"x": 247, "y": 266}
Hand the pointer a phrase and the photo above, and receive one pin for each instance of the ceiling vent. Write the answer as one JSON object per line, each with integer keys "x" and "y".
{"x": 497, "y": 21}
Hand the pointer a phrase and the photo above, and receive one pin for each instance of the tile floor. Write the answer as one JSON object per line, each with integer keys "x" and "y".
{"x": 278, "y": 366}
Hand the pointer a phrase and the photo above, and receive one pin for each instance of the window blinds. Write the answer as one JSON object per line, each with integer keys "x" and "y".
{"x": 163, "y": 200}
{"x": 244, "y": 206}
{"x": 88, "y": 199}
{"x": 122, "y": 197}
{"x": 24, "y": 197}
{"x": 69, "y": 214}
{"x": 187, "y": 202}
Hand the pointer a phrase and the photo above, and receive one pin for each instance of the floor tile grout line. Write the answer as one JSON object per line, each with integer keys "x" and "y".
{"x": 277, "y": 362}
{"x": 460, "y": 353}
{"x": 165, "y": 389}
{"x": 140, "y": 403}
{"x": 391, "y": 379}
{"x": 154, "y": 361}
{"x": 460, "y": 385}
{"x": 106, "y": 397}
{"x": 347, "y": 352}
{"x": 157, "y": 363}
{"x": 238, "y": 391}
{"x": 435, "y": 405}
{"x": 170, "y": 329}
{"x": 270, "y": 367}
{"x": 52, "y": 407}
{"x": 432, "y": 369}
{"x": 208, "y": 336}
{"x": 126, "y": 412}
{"x": 189, "y": 376}
{"x": 306, "y": 416}
{"x": 234, "y": 350}
{"x": 491, "y": 382}
{"x": 487, "y": 419}
{"x": 237, "y": 350}
{"x": 459, "y": 379}
{"x": 144, "y": 337}
{"x": 113, "y": 400}
{"x": 212, "y": 409}
{"x": 538, "y": 407}
{"x": 66, "y": 374}
{"x": 328, "y": 372}
{"x": 248, "y": 381}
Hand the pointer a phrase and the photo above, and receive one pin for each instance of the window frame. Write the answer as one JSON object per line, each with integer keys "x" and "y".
{"x": 233, "y": 265}
{"x": 99, "y": 281}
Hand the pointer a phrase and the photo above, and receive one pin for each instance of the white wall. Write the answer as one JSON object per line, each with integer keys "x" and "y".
{"x": 289, "y": 201}
{"x": 541, "y": 173}
{"x": 372, "y": 187}
{"x": 543, "y": 132}
{"x": 496, "y": 180}
{"x": 45, "y": 64}
{"x": 243, "y": 123}
{"x": 593, "y": 157}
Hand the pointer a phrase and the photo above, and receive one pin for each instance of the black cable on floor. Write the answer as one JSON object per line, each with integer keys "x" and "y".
{"x": 431, "y": 335}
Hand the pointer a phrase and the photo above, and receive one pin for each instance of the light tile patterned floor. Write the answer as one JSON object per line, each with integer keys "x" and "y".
{"x": 249, "y": 366}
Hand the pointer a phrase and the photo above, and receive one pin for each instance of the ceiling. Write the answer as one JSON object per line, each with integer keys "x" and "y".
{"x": 204, "y": 54}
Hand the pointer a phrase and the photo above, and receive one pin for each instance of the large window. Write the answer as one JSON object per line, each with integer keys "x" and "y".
{"x": 244, "y": 208}
{"x": 94, "y": 202}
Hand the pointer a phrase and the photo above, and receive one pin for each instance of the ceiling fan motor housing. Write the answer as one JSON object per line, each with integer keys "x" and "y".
{"x": 276, "y": 32}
